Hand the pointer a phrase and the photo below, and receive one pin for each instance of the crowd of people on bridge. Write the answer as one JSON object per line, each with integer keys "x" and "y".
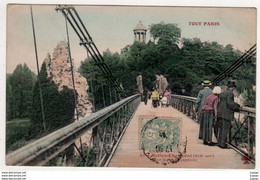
{"x": 161, "y": 94}
{"x": 215, "y": 110}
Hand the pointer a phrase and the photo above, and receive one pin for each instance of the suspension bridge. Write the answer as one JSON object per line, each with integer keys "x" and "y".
{"x": 118, "y": 131}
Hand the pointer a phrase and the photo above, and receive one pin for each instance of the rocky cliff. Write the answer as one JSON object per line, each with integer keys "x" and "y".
{"x": 59, "y": 70}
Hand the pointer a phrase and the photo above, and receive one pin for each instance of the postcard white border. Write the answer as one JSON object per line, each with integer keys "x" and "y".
{"x": 116, "y": 173}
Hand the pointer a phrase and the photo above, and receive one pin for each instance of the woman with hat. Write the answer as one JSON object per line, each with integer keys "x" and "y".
{"x": 209, "y": 109}
{"x": 200, "y": 100}
{"x": 225, "y": 113}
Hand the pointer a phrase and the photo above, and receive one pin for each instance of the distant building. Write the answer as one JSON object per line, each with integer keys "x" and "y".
{"x": 140, "y": 33}
{"x": 139, "y": 36}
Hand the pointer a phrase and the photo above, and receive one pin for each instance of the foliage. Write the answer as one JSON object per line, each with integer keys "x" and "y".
{"x": 100, "y": 90}
{"x": 165, "y": 33}
{"x": 241, "y": 136}
{"x": 89, "y": 158}
{"x": 19, "y": 92}
{"x": 58, "y": 106}
{"x": 246, "y": 81}
{"x": 185, "y": 65}
{"x": 23, "y": 102}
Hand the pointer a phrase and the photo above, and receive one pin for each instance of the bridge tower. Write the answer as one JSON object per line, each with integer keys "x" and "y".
{"x": 140, "y": 33}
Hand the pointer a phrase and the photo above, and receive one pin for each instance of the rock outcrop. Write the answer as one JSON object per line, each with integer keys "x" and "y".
{"x": 59, "y": 70}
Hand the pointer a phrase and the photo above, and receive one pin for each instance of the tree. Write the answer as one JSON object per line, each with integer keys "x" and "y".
{"x": 165, "y": 33}
{"x": 185, "y": 67}
{"x": 58, "y": 105}
{"x": 19, "y": 92}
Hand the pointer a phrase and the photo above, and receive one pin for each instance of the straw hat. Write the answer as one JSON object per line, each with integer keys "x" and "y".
{"x": 206, "y": 83}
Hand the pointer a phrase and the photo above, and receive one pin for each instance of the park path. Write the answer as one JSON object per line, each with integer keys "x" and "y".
{"x": 128, "y": 153}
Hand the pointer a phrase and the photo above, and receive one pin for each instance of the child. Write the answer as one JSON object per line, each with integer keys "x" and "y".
{"x": 167, "y": 94}
{"x": 155, "y": 97}
{"x": 164, "y": 101}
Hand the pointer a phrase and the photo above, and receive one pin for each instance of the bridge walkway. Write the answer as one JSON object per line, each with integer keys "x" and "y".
{"x": 198, "y": 155}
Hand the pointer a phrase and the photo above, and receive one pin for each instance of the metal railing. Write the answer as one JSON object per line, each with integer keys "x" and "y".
{"x": 186, "y": 105}
{"x": 107, "y": 127}
{"x": 242, "y": 137}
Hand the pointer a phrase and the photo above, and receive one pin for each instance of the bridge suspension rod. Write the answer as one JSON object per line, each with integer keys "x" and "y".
{"x": 38, "y": 72}
{"x": 241, "y": 58}
{"x": 78, "y": 26}
{"x": 235, "y": 65}
{"x": 239, "y": 62}
{"x": 91, "y": 42}
{"x": 84, "y": 40}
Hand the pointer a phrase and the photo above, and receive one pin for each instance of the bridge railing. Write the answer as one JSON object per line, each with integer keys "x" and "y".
{"x": 107, "y": 127}
{"x": 243, "y": 132}
{"x": 186, "y": 105}
{"x": 242, "y": 137}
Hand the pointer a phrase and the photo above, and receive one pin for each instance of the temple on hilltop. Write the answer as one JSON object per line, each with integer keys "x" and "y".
{"x": 140, "y": 33}
{"x": 140, "y": 36}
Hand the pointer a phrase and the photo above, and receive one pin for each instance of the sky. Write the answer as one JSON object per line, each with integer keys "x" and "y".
{"x": 111, "y": 27}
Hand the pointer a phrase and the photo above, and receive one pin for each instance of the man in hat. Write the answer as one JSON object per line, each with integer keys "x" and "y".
{"x": 200, "y": 100}
{"x": 225, "y": 113}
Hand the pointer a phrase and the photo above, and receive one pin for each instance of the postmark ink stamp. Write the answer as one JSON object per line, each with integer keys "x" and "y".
{"x": 161, "y": 140}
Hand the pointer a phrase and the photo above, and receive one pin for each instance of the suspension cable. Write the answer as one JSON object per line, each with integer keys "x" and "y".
{"x": 234, "y": 66}
{"x": 71, "y": 67}
{"x": 85, "y": 40}
{"x": 38, "y": 72}
{"x": 89, "y": 49}
{"x": 73, "y": 84}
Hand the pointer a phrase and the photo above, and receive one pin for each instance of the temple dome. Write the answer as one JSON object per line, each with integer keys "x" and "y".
{"x": 140, "y": 26}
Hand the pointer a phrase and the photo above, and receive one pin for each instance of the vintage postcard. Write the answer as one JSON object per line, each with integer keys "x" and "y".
{"x": 130, "y": 86}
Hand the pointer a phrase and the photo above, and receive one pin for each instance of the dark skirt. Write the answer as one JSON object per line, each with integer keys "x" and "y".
{"x": 200, "y": 119}
{"x": 207, "y": 124}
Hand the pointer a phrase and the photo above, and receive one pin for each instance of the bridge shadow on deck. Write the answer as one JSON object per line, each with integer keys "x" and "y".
{"x": 198, "y": 155}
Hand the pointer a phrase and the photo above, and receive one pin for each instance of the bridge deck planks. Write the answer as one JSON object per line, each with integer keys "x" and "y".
{"x": 128, "y": 153}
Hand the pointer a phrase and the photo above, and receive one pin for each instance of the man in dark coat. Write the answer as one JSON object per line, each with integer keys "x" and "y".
{"x": 145, "y": 95}
{"x": 200, "y": 100}
{"x": 225, "y": 114}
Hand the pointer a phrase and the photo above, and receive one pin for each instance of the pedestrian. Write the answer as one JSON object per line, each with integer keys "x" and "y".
{"x": 209, "y": 109}
{"x": 155, "y": 98}
{"x": 199, "y": 102}
{"x": 139, "y": 83}
{"x": 159, "y": 83}
{"x": 225, "y": 114}
{"x": 145, "y": 95}
{"x": 164, "y": 83}
{"x": 164, "y": 102}
{"x": 167, "y": 94}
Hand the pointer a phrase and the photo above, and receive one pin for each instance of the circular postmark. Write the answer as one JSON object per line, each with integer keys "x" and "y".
{"x": 160, "y": 140}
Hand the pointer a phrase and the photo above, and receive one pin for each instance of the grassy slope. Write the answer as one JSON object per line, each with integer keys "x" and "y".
{"x": 17, "y": 133}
